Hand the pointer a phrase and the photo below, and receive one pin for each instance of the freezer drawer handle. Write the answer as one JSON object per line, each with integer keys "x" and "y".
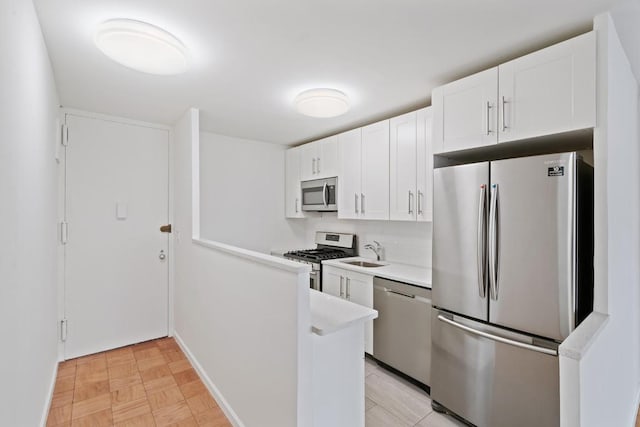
{"x": 497, "y": 338}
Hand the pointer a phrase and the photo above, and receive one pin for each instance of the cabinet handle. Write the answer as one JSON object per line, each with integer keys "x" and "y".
{"x": 348, "y": 288}
{"x": 313, "y": 166}
{"x": 420, "y": 195}
{"x": 410, "y": 202}
{"x": 504, "y": 123}
{"x": 318, "y": 164}
{"x": 341, "y": 287}
{"x": 362, "y": 203}
{"x": 356, "y": 204}
{"x": 296, "y": 204}
{"x": 488, "y": 118}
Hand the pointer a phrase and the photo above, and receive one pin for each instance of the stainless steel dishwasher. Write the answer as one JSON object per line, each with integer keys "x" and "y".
{"x": 402, "y": 331}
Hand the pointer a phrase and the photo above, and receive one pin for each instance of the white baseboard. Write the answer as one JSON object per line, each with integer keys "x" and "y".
{"x": 224, "y": 405}
{"x": 47, "y": 404}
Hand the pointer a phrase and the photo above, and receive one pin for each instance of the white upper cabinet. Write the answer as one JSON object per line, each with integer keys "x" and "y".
{"x": 327, "y": 164}
{"x": 424, "y": 156}
{"x": 293, "y": 193}
{"x": 465, "y": 113}
{"x": 374, "y": 197}
{"x": 349, "y": 171}
{"x": 308, "y": 159}
{"x": 363, "y": 184}
{"x": 549, "y": 91}
{"x": 319, "y": 159}
{"x": 403, "y": 162}
{"x": 411, "y": 166}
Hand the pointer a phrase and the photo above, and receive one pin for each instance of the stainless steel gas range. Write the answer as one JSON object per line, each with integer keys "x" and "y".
{"x": 329, "y": 246}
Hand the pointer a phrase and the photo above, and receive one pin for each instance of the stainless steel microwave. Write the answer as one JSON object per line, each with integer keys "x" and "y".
{"x": 320, "y": 195}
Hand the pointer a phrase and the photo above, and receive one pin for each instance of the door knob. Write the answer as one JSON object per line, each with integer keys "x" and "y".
{"x": 162, "y": 255}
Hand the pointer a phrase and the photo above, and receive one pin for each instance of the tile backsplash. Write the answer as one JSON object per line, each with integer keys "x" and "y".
{"x": 403, "y": 241}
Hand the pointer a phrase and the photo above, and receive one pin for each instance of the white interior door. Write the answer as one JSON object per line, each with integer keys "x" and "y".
{"x": 116, "y": 266}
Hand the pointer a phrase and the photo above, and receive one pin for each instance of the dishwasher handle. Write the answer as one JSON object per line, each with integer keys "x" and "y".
{"x": 403, "y": 294}
{"x": 399, "y": 293}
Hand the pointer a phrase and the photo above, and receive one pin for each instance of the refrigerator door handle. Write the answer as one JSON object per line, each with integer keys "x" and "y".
{"x": 494, "y": 238}
{"x": 497, "y": 338}
{"x": 481, "y": 250}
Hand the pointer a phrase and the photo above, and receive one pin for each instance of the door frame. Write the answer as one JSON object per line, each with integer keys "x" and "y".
{"x": 62, "y": 187}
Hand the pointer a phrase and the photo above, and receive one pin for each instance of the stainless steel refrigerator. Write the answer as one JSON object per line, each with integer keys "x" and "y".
{"x": 512, "y": 277}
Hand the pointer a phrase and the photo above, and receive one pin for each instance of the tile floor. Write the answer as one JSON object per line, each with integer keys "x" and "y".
{"x": 147, "y": 384}
{"x": 153, "y": 384}
{"x": 393, "y": 402}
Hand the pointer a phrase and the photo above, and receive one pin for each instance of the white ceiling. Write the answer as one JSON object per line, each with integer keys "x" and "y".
{"x": 250, "y": 58}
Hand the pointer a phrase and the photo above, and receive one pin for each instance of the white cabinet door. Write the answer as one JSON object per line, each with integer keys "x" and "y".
{"x": 402, "y": 167}
{"x": 424, "y": 197}
{"x": 354, "y": 287}
{"x": 374, "y": 197}
{"x": 333, "y": 281}
{"x": 327, "y": 161}
{"x": 465, "y": 112}
{"x": 359, "y": 290}
{"x": 349, "y": 172}
{"x": 308, "y": 160}
{"x": 549, "y": 91}
{"x": 293, "y": 195}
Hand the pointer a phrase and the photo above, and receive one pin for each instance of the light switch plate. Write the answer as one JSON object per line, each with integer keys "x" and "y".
{"x": 121, "y": 211}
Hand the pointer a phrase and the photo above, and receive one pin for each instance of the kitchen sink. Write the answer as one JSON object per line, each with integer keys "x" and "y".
{"x": 363, "y": 263}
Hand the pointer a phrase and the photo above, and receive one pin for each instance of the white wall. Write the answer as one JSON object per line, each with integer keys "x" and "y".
{"x": 244, "y": 321}
{"x": 626, "y": 16}
{"x": 242, "y": 194}
{"x": 404, "y": 242}
{"x": 610, "y": 394}
{"x": 242, "y": 204}
{"x": 600, "y": 382}
{"x": 28, "y": 212}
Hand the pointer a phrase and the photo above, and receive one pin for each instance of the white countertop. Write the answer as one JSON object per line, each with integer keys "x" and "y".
{"x": 330, "y": 314}
{"x": 406, "y": 273}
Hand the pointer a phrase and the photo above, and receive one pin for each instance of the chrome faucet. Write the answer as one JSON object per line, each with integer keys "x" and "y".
{"x": 377, "y": 249}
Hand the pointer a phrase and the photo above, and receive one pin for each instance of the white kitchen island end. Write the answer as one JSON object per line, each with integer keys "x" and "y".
{"x": 338, "y": 360}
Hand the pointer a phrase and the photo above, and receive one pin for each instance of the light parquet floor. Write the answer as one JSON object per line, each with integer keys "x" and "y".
{"x": 146, "y": 384}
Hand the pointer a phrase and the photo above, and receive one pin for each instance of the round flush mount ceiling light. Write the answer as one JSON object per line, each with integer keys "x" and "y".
{"x": 322, "y": 103}
{"x": 141, "y": 46}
